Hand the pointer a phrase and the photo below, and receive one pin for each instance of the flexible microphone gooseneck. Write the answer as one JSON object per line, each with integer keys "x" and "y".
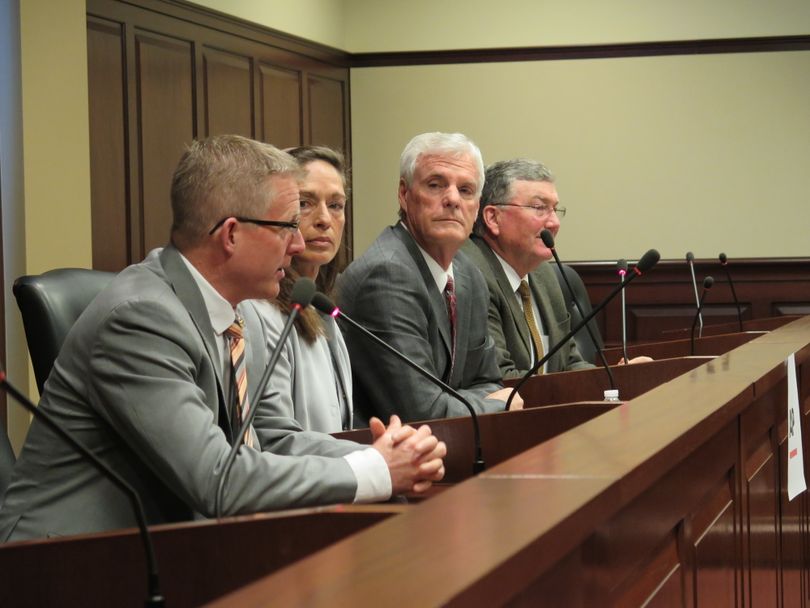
{"x": 548, "y": 241}
{"x": 300, "y": 297}
{"x": 621, "y": 269}
{"x": 690, "y": 259}
{"x": 326, "y": 306}
{"x": 154, "y": 596}
{"x": 647, "y": 261}
{"x": 724, "y": 264}
{"x": 707, "y": 285}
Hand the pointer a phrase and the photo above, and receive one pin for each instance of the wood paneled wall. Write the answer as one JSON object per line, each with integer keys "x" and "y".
{"x": 164, "y": 73}
{"x": 664, "y": 299}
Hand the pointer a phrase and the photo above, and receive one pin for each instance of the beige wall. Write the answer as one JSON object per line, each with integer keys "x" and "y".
{"x": 53, "y": 228}
{"x": 703, "y": 153}
{"x": 322, "y": 21}
{"x": 389, "y": 25}
{"x": 369, "y": 26}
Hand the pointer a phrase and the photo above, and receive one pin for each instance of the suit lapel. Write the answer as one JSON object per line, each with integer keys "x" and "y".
{"x": 464, "y": 300}
{"x": 330, "y": 327}
{"x": 437, "y": 302}
{"x": 506, "y": 292}
{"x": 189, "y": 295}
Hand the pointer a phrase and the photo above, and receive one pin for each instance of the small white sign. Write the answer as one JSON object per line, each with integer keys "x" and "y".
{"x": 795, "y": 460}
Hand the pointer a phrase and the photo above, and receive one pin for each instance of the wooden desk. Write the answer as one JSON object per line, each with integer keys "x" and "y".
{"x": 197, "y": 561}
{"x": 590, "y": 384}
{"x": 675, "y": 497}
{"x": 706, "y": 346}
{"x": 764, "y": 324}
{"x": 554, "y": 403}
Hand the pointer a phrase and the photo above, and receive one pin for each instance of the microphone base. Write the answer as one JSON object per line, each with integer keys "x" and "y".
{"x": 479, "y": 466}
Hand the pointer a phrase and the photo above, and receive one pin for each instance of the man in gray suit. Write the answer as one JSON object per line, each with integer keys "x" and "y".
{"x": 144, "y": 377}
{"x": 410, "y": 284}
{"x": 518, "y": 201}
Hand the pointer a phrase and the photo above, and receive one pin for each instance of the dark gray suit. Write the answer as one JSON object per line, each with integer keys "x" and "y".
{"x": 507, "y": 323}
{"x": 389, "y": 290}
{"x": 138, "y": 382}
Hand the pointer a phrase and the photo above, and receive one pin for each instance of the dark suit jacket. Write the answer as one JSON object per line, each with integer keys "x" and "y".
{"x": 389, "y": 290}
{"x": 138, "y": 383}
{"x": 507, "y": 324}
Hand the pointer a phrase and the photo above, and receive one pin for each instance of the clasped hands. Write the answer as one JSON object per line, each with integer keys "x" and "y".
{"x": 414, "y": 456}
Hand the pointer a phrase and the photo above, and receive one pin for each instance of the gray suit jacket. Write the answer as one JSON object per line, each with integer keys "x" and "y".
{"x": 389, "y": 290}
{"x": 313, "y": 381}
{"x": 507, "y": 324}
{"x": 137, "y": 382}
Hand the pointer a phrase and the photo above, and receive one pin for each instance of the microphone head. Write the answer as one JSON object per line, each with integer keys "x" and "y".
{"x": 302, "y": 292}
{"x": 323, "y": 303}
{"x": 621, "y": 266}
{"x": 708, "y": 282}
{"x": 723, "y": 259}
{"x": 547, "y": 238}
{"x": 690, "y": 257}
{"x": 648, "y": 260}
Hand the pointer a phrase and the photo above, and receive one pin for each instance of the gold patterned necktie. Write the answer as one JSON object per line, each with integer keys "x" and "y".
{"x": 526, "y": 297}
{"x": 239, "y": 386}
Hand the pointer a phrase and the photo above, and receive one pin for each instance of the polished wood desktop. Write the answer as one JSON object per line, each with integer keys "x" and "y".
{"x": 673, "y": 497}
{"x": 677, "y": 497}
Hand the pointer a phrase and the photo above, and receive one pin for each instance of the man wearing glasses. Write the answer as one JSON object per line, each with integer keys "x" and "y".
{"x": 527, "y": 312}
{"x": 152, "y": 376}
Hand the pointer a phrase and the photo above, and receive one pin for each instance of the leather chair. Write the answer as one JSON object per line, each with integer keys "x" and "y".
{"x": 50, "y": 303}
{"x": 7, "y": 461}
{"x": 583, "y": 340}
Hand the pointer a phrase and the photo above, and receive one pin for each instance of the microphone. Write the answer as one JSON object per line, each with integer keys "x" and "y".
{"x": 707, "y": 285}
{"x": 724, "y": 264}
{"x": 548, "y": 241}
{"x": 300, "y": 296}
{"x": 690, "y": 259}
{"x": 154, "y": 596}
{"x": 326, "y": 306}
{"x": 647, "y": 261}
{"x": 621, "y": 268}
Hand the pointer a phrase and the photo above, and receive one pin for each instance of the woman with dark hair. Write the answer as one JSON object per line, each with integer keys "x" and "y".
{"x": 313, "y": 374}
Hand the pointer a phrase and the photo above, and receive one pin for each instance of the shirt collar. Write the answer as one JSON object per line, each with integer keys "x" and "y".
{"x": 511, "y": 274}
{"x": 219, "y": 309}
{"x": 436, "y": 271}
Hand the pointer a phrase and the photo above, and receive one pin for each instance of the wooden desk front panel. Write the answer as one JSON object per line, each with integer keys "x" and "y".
{"x": 664, "y": 299}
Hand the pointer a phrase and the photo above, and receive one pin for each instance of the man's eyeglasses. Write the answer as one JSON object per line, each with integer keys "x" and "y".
{"x": 539, "y": 210}
{"x": 292, "y": 227}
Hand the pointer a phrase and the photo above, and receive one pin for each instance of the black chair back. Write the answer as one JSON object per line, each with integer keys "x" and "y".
{"x": 6, "y": 461}
{"x": 584, "y": 343}
{"x": 50, "y": 303}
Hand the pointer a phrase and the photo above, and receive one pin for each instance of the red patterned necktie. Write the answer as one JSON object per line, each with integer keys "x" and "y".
{"x": 450, "y": 301}
{"x": 241, "y": 406}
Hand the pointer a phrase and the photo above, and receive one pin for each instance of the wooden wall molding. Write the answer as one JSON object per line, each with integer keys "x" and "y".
{"x": 589, "y": 51}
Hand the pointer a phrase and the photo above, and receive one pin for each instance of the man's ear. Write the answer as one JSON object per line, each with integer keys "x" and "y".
{"x": 403, "y": 192}
{"x": 490, "y": 218}
{"x": 228, "y": 235}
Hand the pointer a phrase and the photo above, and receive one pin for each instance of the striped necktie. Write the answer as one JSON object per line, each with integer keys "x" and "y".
{"x": 528, "y": 312}
{"x": 240, "y": 405}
